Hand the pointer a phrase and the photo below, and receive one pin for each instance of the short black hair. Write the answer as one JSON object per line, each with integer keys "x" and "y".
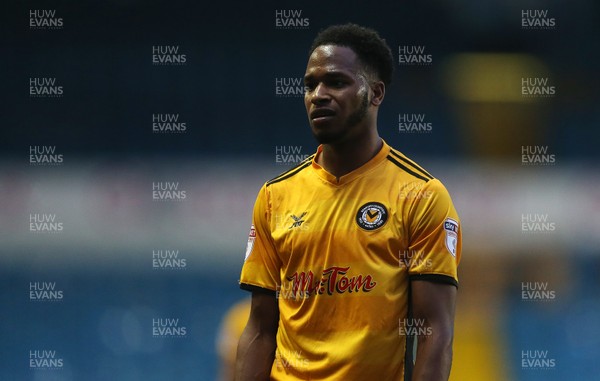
{"x": 372, "y": 50}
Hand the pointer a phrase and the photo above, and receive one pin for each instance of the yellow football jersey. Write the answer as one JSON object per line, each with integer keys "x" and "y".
{"x": 340, "y": 255}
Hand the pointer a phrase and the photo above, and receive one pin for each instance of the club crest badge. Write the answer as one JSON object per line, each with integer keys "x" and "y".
{"x": 451, "y": 228}
{"x": 371, "y": 216}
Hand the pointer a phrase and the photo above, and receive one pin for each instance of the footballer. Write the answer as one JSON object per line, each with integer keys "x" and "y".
{"x": 352, "y": 255}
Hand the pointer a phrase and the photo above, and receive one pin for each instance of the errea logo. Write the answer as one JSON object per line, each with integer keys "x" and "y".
{"x": 298, "y": 220}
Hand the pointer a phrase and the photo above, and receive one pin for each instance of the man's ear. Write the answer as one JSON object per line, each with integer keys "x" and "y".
{"x": 378, "y": 89}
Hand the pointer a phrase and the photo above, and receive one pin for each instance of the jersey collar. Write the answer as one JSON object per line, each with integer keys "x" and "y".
{"x": 358, "y": 172}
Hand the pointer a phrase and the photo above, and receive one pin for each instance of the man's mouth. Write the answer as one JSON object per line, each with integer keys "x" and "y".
{"x": 321, "y": 114}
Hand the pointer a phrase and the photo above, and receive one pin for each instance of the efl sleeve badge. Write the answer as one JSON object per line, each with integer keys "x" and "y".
{"x": 451, "y": 228}
{"x": 251, "y": 238}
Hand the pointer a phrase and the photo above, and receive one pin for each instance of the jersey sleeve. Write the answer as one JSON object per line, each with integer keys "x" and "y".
{"x": 262, "y": 265}
{"x": 435, "y": 237}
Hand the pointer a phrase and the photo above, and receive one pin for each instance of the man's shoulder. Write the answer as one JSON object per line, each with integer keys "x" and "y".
{"x": 291, "y": 173}
{"x": 406, "y": 167}
{"x": 413, "y": 180}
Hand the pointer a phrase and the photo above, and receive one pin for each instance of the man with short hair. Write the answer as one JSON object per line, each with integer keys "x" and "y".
{"x": 355, "y": 251}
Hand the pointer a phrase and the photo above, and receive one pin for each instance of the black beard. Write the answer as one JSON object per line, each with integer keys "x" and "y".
{"x": 355, "y": 118}
{"x": 360, "y": 114}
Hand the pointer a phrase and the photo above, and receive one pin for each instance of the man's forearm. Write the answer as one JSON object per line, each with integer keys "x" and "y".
{"x": 255, "y": 355}
{"x": 434, "y": 358}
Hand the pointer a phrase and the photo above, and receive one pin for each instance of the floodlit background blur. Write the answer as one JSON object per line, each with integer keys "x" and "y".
{"x": 136, "y": 134}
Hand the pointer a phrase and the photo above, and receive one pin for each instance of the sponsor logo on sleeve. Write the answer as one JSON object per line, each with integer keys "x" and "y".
{"x": 251, "y": 238}
{"x": 451, "y": 228}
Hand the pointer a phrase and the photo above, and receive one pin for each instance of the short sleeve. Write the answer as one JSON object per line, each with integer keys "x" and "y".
{"x": 262, "y": 265}
{"x": 435, "y": 237}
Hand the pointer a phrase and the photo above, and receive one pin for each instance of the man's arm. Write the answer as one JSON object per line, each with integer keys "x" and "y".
{"x": 256, "y": 349}
{"x": 434, "y": 303}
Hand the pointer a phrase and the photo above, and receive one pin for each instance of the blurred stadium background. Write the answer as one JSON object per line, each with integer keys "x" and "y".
{"x": 228, "y": 92}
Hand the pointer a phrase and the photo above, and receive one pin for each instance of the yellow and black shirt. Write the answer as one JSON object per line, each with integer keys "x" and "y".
{"x": 340, "y": 255}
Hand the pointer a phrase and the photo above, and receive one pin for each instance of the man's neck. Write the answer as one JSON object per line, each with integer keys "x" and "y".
{"x": 342, "y": 158}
